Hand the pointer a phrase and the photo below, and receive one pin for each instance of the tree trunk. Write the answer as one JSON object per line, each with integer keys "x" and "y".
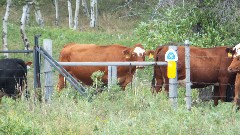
{"x": 76, "y": 15}
{"x": 4, "y": 32}
{"x": 38, "y": 14}
{"x": 93, "y": 19}
{"x": 28, "y": 16}
{"x": 57, "y": 12}
{"x": 85, "y": 8}
{"x": 70, "y": 14}
{"x": 23, "y": 21}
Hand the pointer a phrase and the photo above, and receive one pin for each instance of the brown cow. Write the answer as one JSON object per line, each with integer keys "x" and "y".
{"x": 235, "y": 68}
{"x": 94, "y": 53}
{"x": 208, "y": 66}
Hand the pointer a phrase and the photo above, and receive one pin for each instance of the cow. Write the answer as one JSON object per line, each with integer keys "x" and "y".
{"x": 13, "y": 77}
{"x": 208, "y": 66}
{"x": 74, "y": 52}
{"x": 234, "y": 67}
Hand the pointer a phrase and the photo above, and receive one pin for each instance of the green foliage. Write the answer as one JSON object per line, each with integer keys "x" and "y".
{"x": 199, "y": 25}
{"x": 97, "y": 79}
{"x": 14, "y": 122}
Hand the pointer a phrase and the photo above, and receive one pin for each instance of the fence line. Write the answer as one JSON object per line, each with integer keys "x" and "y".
{"x": 111, "y": 63}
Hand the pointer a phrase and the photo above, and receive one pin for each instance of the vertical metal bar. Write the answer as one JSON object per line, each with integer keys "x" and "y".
{"x": 109, "y": 76}
{"x": 173, "y": 94}
{"x": 47, "y": 45}
{"x": 188, "y": 83}
{"x": 112, "y": 76}
{"x": 37, "y": 83}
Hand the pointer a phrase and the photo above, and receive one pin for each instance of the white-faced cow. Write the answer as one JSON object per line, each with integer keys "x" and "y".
{"x": 235, "y": 68}
{"x": 13, "y": 77}
{"x": 208, "y": 66}
{"x": 94, "y": 53}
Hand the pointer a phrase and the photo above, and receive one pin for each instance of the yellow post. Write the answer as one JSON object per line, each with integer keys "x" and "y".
{"x": 172, "y": 69}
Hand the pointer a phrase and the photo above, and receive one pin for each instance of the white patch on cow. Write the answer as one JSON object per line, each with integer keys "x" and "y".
{"x": 28, "y": 67}
{"x": 237, "y": 48}
{"x": 139, "y": 51}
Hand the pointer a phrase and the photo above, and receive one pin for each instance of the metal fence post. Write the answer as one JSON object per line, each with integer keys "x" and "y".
{"x": 188, "y": 82}
{"x": 112, "y": 75}
{"x": 47, "y": 45}
{"x": 173, "y": 83}
{"x": 37, "y": 83}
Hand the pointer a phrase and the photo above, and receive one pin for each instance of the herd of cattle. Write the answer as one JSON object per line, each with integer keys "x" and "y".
{"x": 218, "y": 66}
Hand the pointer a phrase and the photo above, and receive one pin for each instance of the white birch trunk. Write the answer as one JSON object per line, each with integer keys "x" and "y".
{"x": 76, "y": 15}
{"x": 5, "y": 22}
{"x": 22, "y": 29}
{"x": 57, "y": 12}
{"x": 28, "y": 16}
{"x": 70, "y": 14}
{"x": 93, "y": 19}
{"x": 85, "y": 8}
{"x": 38, "y": 14}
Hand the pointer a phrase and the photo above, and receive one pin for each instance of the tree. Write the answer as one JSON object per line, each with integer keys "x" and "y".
{"x": 57, "y": 12}
{"x": 5, "y": 22}
{"x": 70, "y": 21}
{"x": 22, "y": 27}
{"x": 38, "y": 13}
{"x": 93, "y": 19}
{"x": 76, "y": 15}
{"x": 85, "y": 8}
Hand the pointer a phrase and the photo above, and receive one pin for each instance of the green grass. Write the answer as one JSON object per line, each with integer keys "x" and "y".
{"x": 116, "y": 112}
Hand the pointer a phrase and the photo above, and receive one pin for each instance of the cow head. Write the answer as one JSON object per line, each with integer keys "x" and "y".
{"x": 137, "y": 53}
{"x": 233, "y": 52}
{"x": 235, "y": 65}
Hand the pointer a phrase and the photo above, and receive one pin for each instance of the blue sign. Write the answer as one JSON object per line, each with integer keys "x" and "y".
{"x": 171, "y": 55}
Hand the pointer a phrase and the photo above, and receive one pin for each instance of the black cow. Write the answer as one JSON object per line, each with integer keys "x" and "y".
{"x": 13, "y": 77}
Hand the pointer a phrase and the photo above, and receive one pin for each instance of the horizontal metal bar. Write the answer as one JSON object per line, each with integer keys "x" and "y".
{"x": 111, "y": 63}
{"x": 17, "y": 51}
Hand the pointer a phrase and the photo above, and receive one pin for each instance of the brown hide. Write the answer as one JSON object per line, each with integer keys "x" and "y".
{"x": 235, "y": 68}
{"x": 237, "y": 90}
{"x": 207, "y": 67}
{"x": 94, "y": 53}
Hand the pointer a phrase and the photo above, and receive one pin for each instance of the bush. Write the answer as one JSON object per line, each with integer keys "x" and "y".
{"x": 200, "y": 25}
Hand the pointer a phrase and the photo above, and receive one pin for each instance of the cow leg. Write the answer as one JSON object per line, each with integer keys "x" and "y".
{"x": 127, "y": 79}
{"x": 237, "y": 91}
{"x": 158, "y": 78}
{"x": 216, "y": 95}
{"x": 60, "y": 85}
{"x": 222, "y": 90}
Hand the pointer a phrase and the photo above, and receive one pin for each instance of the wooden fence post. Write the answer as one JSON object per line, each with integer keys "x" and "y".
{"x": 47, "y": 45}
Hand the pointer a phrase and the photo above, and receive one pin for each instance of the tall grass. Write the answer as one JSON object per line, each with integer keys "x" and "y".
{"x": 115, "y": 112}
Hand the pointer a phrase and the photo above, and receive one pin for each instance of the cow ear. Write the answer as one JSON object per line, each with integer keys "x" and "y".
{"x": 28, "y": 64}
{"x": 126, "y": 53}
{"x": 149, "y": 53}
{"x": 227, "y": 50}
